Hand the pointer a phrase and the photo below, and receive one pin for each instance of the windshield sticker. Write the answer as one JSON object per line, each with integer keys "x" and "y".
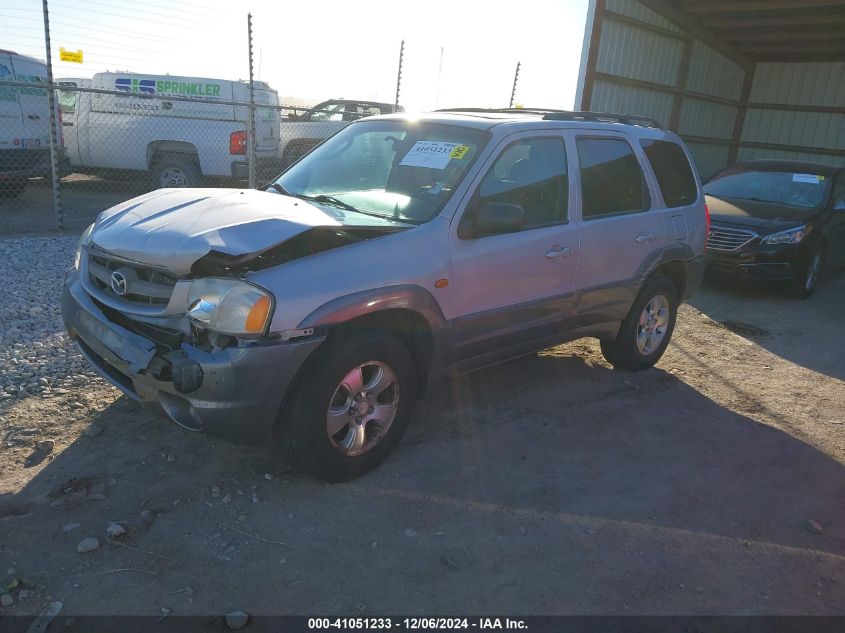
{"x": 810, "y": 179}
{"x": 459, "y": 152}
{"x": 431, "y": 154}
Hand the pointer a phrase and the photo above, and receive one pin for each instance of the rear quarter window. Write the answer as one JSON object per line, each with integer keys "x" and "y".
{"x": 672, "y": 169}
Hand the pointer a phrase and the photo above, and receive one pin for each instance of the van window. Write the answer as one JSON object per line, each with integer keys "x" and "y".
{"x": 612, "y": 180}
{"x": 673, "y": 172}
{"x": 531, "y": 173}
{"x": 67, "y": 98}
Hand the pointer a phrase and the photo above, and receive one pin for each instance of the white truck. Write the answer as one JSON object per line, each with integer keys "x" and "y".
{"x": 178, "y": 129}
{"x": 24, "y": 122}
{"x": 300, "y": 133}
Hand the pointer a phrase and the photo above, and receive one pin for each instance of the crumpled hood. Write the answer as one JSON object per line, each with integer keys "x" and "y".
{"x": 176, "y": 227}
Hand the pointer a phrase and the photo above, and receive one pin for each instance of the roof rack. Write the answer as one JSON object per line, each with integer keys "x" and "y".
{"x": 567, "y": 115}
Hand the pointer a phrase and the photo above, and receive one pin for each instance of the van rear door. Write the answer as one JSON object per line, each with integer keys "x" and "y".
{"x": 11, "y": 126}
{"x": 266, "y": 121}
{"x": 33, "y": 102}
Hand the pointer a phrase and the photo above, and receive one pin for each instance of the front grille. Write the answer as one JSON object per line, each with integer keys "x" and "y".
{"x": 143, "y": 285}
{"x": 722, "y": 238}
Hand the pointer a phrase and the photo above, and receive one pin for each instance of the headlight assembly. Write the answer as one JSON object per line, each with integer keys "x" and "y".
{"x": 83, "y": 242}
{"x": 791, "y": 236}
{"x": 230, "y": 306}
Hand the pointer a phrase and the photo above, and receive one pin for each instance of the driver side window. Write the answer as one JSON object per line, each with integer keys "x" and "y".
{"x": 531, "y": 173}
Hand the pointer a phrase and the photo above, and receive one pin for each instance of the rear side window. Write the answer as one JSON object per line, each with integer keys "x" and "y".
{"x": 531, "y": 173}
{"x": 673, "y": 171}
{"x": 612, "y": 181}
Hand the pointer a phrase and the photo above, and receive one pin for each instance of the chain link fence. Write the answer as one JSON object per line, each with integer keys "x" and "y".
{"x": 122, "y": 135}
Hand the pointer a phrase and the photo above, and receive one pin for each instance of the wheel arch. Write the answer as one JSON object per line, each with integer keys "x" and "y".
{"x": 409, "y": 312}
{"x": 157, "y": 148}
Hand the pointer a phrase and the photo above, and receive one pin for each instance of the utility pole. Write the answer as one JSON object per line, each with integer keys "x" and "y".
{"x": 515, "y": 79}
{"x": 250, "y": 137}
{"x": 54, "y": 124}
{"x": 399, "y": 74}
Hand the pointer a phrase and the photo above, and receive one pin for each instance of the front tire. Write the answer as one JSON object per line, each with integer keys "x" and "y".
{"x": 350, "y": 407}
{"x": 808, "y": 276}
{"x": 647, "y": 329}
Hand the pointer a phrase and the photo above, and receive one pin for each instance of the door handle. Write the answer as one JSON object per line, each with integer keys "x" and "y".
{"x": 67, "y": 123}
{"x": 33, "y": 117}
{"x": 559, "y": 251}
{"x": 644, "y": 237}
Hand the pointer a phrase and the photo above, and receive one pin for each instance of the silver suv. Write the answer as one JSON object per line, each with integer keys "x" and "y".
{"x": 400, "y": 250}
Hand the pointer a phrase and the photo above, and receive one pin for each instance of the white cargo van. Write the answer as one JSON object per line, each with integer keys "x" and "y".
{"x": 24, "y": 123}
{"x": 169, "y": 126}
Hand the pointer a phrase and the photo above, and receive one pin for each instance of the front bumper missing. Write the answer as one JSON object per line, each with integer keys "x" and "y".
{"x": 239, "y": 392}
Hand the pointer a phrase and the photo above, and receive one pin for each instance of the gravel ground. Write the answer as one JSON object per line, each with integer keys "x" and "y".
{"x": 36, "y": 357}
{"x": 711, "y": 484}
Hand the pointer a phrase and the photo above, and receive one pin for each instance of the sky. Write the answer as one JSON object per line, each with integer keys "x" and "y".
{"x": 311, "y": 51}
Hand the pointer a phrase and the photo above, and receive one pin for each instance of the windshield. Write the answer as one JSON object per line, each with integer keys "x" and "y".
{"x": 402, "y": 170}
{"x": 801, "y": 189}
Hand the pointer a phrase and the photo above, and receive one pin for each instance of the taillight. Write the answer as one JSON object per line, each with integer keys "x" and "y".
{"x": 237, "y": 142}
{"x": 706, "y": 225}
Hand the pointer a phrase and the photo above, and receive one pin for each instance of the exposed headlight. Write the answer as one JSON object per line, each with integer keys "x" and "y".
{"x": 792, "y": 236}
{"x": 83, "y": 242}
{"x": 229, "y": 306}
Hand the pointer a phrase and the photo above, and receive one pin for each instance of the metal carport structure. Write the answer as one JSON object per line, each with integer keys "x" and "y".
{"x": 737, "y": 79}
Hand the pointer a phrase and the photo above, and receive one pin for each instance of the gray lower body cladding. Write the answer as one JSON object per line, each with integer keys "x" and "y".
{"x": 241, "y": 391}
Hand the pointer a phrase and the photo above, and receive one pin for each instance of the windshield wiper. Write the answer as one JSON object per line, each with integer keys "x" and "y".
{"x": 280, "y": 189}
{"x": 326, "y": 199}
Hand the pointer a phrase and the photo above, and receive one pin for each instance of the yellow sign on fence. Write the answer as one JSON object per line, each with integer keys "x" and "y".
{"x": 70, "y": 56}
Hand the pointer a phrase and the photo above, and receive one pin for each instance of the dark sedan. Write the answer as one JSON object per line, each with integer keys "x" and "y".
{"x": 776, "y": 221}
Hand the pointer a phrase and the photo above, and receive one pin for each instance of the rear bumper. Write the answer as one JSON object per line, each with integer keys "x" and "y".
{"x": 695, "y": 274}
{"x": 241, "y": 389}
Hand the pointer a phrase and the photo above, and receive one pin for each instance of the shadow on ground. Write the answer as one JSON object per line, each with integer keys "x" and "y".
{"x": 546, "y": 485}
{"x": 780, "y": 324}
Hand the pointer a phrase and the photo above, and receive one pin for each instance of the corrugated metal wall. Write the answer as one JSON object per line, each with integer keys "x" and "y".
{"x": 645, "y": 64}
{"x": 800, "y": 85}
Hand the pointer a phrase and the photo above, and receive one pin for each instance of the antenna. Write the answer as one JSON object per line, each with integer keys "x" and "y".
{"x": 515, "y": 79}
{"x": 399, "y": 74}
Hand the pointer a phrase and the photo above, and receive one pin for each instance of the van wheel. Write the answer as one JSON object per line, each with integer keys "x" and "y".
{"x": 646, "y": 331}
{"x": 350, "y": 407}
{"x": 175, "y": 170}
{"x": 13, "y": 188}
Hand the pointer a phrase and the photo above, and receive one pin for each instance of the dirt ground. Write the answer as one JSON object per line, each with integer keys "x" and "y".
{"x": 548, "y": 485}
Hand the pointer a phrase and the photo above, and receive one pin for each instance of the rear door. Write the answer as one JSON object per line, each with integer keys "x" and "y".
{"x": 33, "y": 102}
{"x": 11, "y": 125}
{"x": 69, "y": 106}
{"x": 266, "y": 121}
{"x": 622, "y": 226}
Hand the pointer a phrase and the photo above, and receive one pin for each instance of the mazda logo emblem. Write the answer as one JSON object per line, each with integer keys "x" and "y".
{"x": 118, "y": 283}
{"x": 711, "y": 234}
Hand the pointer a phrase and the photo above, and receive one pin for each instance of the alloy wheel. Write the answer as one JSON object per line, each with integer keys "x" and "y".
{"x": 652, "y": 326}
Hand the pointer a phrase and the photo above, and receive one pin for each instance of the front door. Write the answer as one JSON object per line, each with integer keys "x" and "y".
{"x": 513, "y": 288}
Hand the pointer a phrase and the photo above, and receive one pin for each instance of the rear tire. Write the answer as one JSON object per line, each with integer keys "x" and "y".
{"x": 647, "y": 329}
{"x": 328, "y": 430}
{"x": 175, "y": 170}
{"x": 808, "y": 276}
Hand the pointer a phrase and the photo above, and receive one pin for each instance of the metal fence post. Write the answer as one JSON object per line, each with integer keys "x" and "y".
{"x": 515, "y": 79}
{"x": 54, "y": 124}
{"x": 399, "y": 74}
{"x": 251, "y": 125}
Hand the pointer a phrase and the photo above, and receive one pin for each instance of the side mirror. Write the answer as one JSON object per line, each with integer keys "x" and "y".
{"x": 494, "y": 218}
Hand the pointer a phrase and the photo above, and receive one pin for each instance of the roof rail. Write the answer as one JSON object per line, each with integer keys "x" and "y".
{"x": 567, "y": 115}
